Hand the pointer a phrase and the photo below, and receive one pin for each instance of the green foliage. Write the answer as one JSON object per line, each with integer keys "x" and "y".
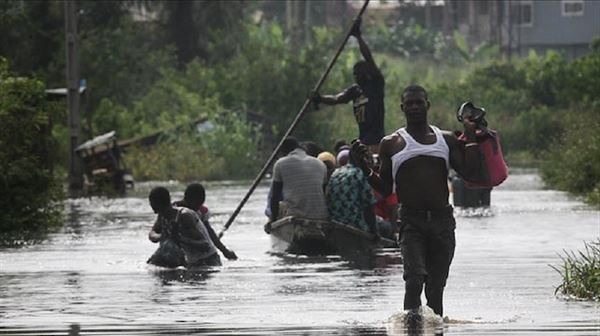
{"x": 535, "y": 130}
{"x": 581, "y": 272}
{"x": 548, "y": 79}
{"x": 272, "y": 78}
{"x": 584, "y": 83}
{"x": 121, "y": 63}
{"x": 413, "y": 41}
{"x": 184, "y": 159}
{"x": 573, "y": 164}
{"x": 225, "y": 149}
{"x": 28, "y": 187}
{"x": 235, "y": 142}
{"x": 29, "y": 34}
{"x": 408, "y": 40}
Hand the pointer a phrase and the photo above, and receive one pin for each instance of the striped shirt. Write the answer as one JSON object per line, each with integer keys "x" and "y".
{"x": 303, "y": 177}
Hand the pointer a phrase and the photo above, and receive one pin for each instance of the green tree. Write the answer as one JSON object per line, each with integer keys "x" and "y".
{"x": 28, "y": 187}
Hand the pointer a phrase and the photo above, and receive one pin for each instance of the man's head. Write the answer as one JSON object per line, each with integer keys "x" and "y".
{"x": 311, "y": 148}
{"x": 361, "y": 72}
{"x": 415, "y": 104}
{"x": 288, "y": 145}
{"x": 194, "y": 195}
{"x": 339, "y": 144}
{"x": 160, "y": 200}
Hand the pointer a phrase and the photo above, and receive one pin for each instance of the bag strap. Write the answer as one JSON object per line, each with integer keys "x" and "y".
{"x": 493, "y": 135}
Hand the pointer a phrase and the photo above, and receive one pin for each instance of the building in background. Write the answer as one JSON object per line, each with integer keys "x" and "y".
{"x": 519, "y": 26}
{"x": 565, "y": 25}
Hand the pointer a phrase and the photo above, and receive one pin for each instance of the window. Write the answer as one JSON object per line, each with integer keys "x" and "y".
{"x": 523, "y": 13}
{"x": 572, "y": 7}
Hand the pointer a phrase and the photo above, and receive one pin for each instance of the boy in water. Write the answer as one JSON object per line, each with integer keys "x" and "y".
{"x": 182, "y": 230}
{"x": 193, "y": 199}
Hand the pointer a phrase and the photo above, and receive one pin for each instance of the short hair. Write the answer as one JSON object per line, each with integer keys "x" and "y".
{"x": 360, "y": 65}
{"x": 289, "y": 144}
{"x": 339, "y": 144}
{"x": 311, "y": 148}
{"x": 414, "y": 88}
{"x": 160, "y": 197}
{"x": 194, "y": 194}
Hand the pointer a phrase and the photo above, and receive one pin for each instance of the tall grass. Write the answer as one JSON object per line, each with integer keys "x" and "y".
{"x": 581, "y": 272}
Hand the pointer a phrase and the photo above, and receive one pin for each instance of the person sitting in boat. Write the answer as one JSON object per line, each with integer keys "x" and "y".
{"x": 337, "y": 147}
{"x": 343, "y": 156}
{"x": 311, "y": 148}
{"x": 386, "y": 215}
{"x": 350, "y": 198}
{"x": 329, "y": 161}
{"x": 183, "y": 228}
{"x": 367, "y": 95}
{"x": 193, "y": 198}
{"x": 298, "y": 181}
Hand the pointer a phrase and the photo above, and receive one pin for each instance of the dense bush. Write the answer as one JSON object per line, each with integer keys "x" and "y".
{"x": 573, "y": 163}
{"x": 225, "y": 148}
{"x": 28, "y": 188}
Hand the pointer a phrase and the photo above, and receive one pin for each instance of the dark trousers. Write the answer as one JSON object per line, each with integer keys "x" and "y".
{"x": 427, "y": 242}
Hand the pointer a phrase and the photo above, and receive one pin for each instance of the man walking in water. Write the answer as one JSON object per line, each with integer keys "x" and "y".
{"x": 415, "y": 161}
{"x": 184, "y": 227}
{"x": 367, "y": 96}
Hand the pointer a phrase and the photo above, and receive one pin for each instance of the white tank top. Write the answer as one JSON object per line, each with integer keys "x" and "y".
{"x": 413, "y": 149}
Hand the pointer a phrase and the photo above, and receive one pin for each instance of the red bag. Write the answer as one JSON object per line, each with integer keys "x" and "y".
{"x": 494, "y": 168}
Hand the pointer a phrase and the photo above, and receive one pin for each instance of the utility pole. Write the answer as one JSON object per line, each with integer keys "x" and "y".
{"x": 427, "y": 14}
{"x": 307, "y": 23}
{"x": 72, "y": 44}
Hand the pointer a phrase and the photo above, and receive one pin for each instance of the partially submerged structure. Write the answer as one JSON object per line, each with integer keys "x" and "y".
{"x": 103, "y": 166}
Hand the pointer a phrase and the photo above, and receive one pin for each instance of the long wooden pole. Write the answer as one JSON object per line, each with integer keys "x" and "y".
{"x": 299, "y": 116}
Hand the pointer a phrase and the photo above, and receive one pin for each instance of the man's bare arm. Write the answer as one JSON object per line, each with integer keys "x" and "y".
{"x": 364, "y": 50}
{"x": 343, "y": 97}
{"x": 381, "y": 181}
{"x": 465, "y": 158}
{"x": 155, "y": 233}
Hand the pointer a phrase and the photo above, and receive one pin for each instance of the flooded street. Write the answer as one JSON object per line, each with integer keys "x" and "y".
{"x": 93, "y": 273}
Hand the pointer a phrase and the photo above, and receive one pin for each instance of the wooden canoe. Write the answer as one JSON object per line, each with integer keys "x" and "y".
{"x": 319, "y": 237}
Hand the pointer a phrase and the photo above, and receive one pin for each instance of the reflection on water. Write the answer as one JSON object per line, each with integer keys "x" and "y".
{"x": 91, "y": 278}
{"x": 196, "y": 277}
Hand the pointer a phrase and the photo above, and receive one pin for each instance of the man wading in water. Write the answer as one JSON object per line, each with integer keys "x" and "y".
{"x": 416, "y": 160}
{"x": 184, "y": 229}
